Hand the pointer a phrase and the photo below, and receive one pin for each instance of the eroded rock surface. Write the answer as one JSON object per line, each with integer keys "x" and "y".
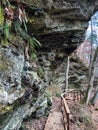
{"x": 21, "y": 87}
{"x": 60, "y": 26}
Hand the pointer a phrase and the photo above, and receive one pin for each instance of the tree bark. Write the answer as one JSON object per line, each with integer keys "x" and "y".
{"x": 91, "y": 87}
{"x": 67, "y": 72}
{"x": 92, "y": 76}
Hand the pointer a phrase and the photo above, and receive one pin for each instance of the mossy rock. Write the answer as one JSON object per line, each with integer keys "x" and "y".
{"x": 41, "y": 72}
{"x": 3, "y": 62}
{"x": 1, "y": 17}
{"x": 3, "y": 67}
{"x": 5, "y": 109}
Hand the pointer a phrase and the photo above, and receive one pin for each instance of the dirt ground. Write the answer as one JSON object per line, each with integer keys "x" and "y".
{"x": 81, "y": 117}
{"x": 55, "y": 119}
{"x": 54, "y": 122}
{"x": 35, "y": 124}
{"x": 39, "y": 124}
{"x": 95, "y": 114}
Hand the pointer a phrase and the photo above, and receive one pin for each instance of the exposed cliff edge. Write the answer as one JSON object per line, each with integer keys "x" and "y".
{"x": 60, "y": 26}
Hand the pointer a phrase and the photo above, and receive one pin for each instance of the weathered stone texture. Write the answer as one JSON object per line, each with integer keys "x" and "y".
{"x": 59, "y": 22}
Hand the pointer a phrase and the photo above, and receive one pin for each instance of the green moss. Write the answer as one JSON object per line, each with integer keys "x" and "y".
{"x": 1, "y": 16}
{"x": 3, "y": 67}
{"x": 58, "y": 93}
{"x": 5, "y": 109}
{"x": 3, "y": 62}
{"x": 47, "y": 94}
{"x": 31, "y": 20}
{"x": 40, "y": 72}
{"x": 33, "y": 56}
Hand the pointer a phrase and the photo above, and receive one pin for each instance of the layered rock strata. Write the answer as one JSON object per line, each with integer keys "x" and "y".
{"x": 60, "y": 26}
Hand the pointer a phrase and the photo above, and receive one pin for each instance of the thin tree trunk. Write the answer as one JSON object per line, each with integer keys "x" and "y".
{"x": 91, "y": 86}
{"x": 67, "y": 72}
{"x": 95, "y": 98}
{"x": 92, "y": 76}
{"x": 91, "y": 53}
{"x": 91, "y": 69}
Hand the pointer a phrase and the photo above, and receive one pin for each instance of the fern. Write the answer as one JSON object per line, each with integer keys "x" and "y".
{"x": 32, "y": 45}
{"x": 41, "y": 72}
{"x": 18, "y": 29}
{"x": 36, "y": 42}
{"x": 24, "y": 23}
{"x": 6, "y": 30}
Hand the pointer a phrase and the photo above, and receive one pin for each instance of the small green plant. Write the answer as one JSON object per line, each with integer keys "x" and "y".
{"x": 40, "y": 72}
{"x": 34, "y": 43}
{"x": 3, "y": 67}
{"x": 33, "y": 56}
{"x": 6, "y": 32}
{"x": 1, "y": 16}
{"x": 18, "y": 23}
{"x": 22, "y": 127}
{"x": 58, "y": 94}
{"x": 47, "y": 94}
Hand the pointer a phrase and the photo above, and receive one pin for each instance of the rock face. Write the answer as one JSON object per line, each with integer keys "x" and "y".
{"x": 59, "y": 25}
{"x": 57, "y": 68}
{"x": 21, "y": 87}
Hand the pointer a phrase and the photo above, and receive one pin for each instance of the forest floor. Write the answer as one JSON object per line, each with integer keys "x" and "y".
{"x": 95, "y": 114}
{"x": 35, "y": 124}
{"x": 55, "y": 118}
{"x": 82, "y": 118}
{"x": 38, "y": 124}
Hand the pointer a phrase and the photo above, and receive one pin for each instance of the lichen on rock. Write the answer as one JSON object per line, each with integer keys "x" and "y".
{"x": 60, "y": 29}
{"x": 20, "y": 86}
